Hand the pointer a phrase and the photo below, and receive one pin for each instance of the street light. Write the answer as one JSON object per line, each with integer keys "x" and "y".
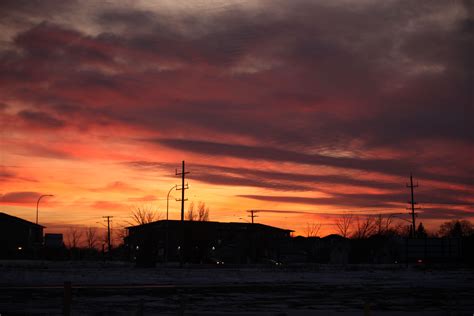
{"x": 403, "y": 219}
{"x": 168, "y": 199}
{"x": 412, "y": 228}
{"x": 37, "y": 205}
{"x": 167, "y": 208}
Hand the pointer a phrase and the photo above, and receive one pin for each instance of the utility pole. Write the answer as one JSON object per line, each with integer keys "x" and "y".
{"x": 182, "y": 249}
{"x": 412, "y": 202}
{"x": 108, "y": 231}
{"x": 183, "y": 173}
{"x": 252, "y": 214}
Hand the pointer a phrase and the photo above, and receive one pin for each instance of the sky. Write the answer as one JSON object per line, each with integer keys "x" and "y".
{"x": 304, "y": 110}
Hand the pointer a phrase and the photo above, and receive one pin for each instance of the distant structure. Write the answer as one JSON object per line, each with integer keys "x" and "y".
{"x": 412, "y": 205}
{"x": 53, "y": 241}
{"x": 54, "y": 248}
{"x": 205, "y": 242}
{"x": 19, "y": 238}
{"x": 252, "y": 214}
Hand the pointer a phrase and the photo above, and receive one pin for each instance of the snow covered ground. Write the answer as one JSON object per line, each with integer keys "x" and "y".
{"x": 35, "y": 287}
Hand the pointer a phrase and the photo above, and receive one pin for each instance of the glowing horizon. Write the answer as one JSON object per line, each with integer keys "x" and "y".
{"x": 303, "y": 109}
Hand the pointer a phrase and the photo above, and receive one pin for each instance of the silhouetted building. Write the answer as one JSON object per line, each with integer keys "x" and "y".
{"x": 380, "y": 249}
{"x": 19, "y": 238}
{"x": 54, "y": 248}
{"x": 205, "y": 242}
{"x": 436, "y": 249}
{"x": 53, "y": 241}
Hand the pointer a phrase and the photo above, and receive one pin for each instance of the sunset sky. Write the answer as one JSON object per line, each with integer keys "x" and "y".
{"x": 301, "y": 109}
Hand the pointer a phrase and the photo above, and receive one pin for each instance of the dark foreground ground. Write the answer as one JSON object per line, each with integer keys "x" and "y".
{"x": 37, "y": 288}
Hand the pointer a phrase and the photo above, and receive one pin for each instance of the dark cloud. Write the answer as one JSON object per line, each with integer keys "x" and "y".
{"x": 282, "y": 181}
{"x": 443, "y": 213}
{"x": 32, "y": 8}
{"x": 397, "y": 167}
{"x": 133, "y": 20}
{"x": 206, "y": 173}
{"x": 19, "y": 197}
{"x": 339, "y": 54}
{"x": 37, "y": 150}
{"x": 276, "y": 154}
{"x": 306, "y": 179}
{"x": 388, "y": 200}
{"x": 342, "y": 202}
{"x": 426, "y": 213}
{"x": 425, "y": 197}
{"x": 289, "y": 212}
{"x": 6, "y": 175}
{"x": 41, "y": 119}
{"x": 221, "y": 179}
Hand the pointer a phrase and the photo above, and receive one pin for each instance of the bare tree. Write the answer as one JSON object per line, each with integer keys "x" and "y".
{"x": 203, "y": 212}
{"x": 74, "y": 237}
{"x": 192, "y": 214}
{"x": 199, "y": 213}
{"x": 382, "y": 224}
{"x": 403, "y": 230}
{"x": 143, "y": 215}
{"x": 312, "y": 229}
{"x": 344, "y": 224}
{"x": 92, "y": 237}
{"x": 120, "y": 234}
{"x": 365, "y": 227}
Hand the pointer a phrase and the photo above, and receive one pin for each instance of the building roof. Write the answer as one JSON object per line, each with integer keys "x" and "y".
{"x": 7, "y": 217}
{"x": 238, "y": 224}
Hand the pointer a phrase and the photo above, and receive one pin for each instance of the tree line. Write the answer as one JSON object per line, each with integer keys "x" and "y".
{"x": 361, "y": 227}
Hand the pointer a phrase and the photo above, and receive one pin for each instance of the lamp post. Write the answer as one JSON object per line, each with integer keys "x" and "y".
{"x": 168, "y": 199}
{"x": 403, "y": 219}
{"x": 412, "y": 229}
{"x": 37, "y": 205}
{"x": 167, "y": 208}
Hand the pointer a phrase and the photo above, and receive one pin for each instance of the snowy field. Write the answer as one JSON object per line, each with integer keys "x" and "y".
{"x": 36, "y": 287}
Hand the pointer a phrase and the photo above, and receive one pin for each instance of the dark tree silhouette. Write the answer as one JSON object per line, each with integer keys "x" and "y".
{"x": 74, "y": 237}
{"x": 365, "y": 227}
{"x": 344, "y": 224}
{"x": 92, "y": 238}
{"x": 456, "y": 228}
{"x": 201, "y": 213}
{"x": 312, "y": 229}
{"x": 191, "y": 214}
{"x": 143, "y": 215}
{"x": 421, "y": 231}
{"x": 403, "y": 230}
{"x": 382, "y": 225}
